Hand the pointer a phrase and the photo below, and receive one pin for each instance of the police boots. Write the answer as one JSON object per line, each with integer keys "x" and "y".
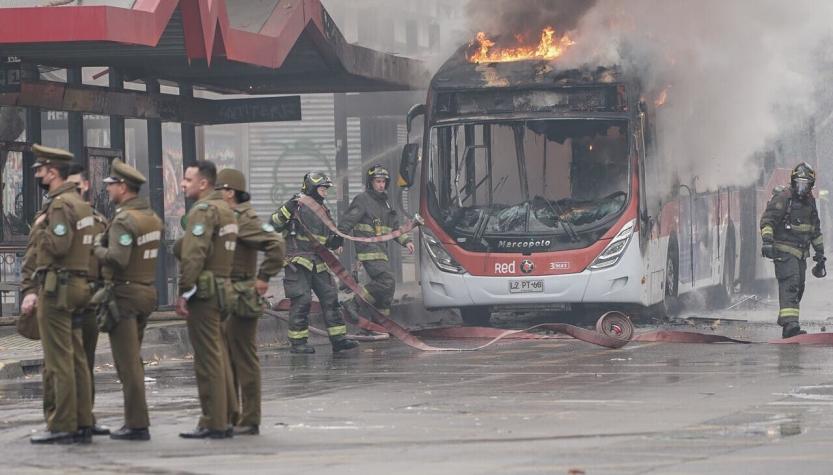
{"x": 343, "y": 343}
{"x": 300, "y": 346}
{"x": 792, "y": 329}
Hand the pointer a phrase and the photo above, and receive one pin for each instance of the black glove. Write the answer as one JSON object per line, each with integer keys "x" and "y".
{"x": 819, "y": 270}
{"x": 768, "y": 250}
{"x": 334, "y": 241}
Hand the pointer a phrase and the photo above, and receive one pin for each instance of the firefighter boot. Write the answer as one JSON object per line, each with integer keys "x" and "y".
{"x": 300, "y": 346}
{"x": 792, "y": 329}
{"x": 342, "y": 343}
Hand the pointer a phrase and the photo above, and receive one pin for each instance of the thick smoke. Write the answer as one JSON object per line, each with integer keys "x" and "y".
{"x": 737, "y": 73}
{"x": 525, "y": 17}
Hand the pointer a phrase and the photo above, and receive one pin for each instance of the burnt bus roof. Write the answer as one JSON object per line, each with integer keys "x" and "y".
{"x": 461, "y": 90}
{"x": 458, "y": 73}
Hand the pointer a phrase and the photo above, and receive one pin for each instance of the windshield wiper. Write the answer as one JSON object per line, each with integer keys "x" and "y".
{"x": 568, "y": 228}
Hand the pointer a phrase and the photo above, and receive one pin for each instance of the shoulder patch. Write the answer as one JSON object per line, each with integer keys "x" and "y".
{"x": 125, "y": 239}
{"x": 198, "y": 230}
{"x": 59, "y": 230}
{"x": 267, "y": 227}
{"x": 183, "y": 221}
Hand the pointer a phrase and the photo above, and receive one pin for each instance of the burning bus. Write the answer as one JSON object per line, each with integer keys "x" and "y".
{"x": 540, "y": 189}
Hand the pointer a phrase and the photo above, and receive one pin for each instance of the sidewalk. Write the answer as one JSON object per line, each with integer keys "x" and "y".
{"x": 166, "y": 336}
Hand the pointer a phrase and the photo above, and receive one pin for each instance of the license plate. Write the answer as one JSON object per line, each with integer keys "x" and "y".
{"x": 525, "y": 286}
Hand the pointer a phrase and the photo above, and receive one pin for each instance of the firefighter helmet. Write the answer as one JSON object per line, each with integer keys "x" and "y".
{"x": 377, "y": 171}
{"x": 802, "y": 179}
{"x": 313, "y": 180}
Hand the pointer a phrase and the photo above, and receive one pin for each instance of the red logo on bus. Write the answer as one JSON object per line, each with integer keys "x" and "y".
{"x": 527, "y": 266}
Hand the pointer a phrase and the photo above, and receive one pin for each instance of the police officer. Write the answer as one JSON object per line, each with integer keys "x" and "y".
{"x": 128, "y": 255}
{"x": 306, "y": 271}
{"x": 61, "y": 241}
{"x": 250, "y": 284}
{"x": 206, "y": 252}
{"x": 370, "y": 214}
{"x": 789, "y": 225}
{"x": 85, "y": 318}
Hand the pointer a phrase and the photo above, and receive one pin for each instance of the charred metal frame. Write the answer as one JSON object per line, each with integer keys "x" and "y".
{"x": 152, "y": 105}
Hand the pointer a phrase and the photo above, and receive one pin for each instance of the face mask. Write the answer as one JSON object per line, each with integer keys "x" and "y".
{"x": 41, "y": 184}
{"x": 803, "y": 187}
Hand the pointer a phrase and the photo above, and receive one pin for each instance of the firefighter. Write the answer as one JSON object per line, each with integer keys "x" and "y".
{"x": 250, "y": 283}
{"x": 789, "y": 225}
{"x": 370, "y": 214}
{"x": 305, "y": 271}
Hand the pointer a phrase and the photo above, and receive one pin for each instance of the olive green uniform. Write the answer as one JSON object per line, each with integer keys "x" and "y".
{"x": 29, "y": 285}
{"x": 129, "y": 260}
{"x": 61, "y": 246}
{"x": 85, "y": 318}
{"x": 370, "y": 214}
{"x": 241, "y": 327}
{"x": 206, "y": 255}
{"x": 792, "y": 224}
{"x": 307, "y": 272}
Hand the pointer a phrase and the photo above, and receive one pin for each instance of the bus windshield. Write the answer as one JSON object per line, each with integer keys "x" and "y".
{"x": 562, "y": 178}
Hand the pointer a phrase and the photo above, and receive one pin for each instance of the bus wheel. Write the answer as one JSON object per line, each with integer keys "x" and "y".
{"x": 476, "y": 316}
{"x": 721, "y": 296}
{"x": 670, "y": 305}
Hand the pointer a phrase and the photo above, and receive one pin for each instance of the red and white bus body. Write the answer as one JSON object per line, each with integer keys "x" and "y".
{"x": 542, "y": 190}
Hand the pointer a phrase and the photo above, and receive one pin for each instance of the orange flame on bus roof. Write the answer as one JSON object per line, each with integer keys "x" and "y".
{"x": 549, "y": 48}
{"x": 662, "y": 98}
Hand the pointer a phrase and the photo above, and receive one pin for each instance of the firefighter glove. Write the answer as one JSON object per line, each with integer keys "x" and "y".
{"x": 768, "y": 250}
{"x": 334, "y": 241}
{"x": 819, "y": 270}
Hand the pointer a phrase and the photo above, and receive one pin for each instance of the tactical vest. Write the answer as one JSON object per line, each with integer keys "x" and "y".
{"x": 223, "y": 242}
{"x": 148, "y": 232}
{"x": 245, "y": 257}
{"x": 77, "y": 259}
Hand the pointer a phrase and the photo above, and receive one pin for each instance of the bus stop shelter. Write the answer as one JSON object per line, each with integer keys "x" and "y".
{"x": 257, "y": 47}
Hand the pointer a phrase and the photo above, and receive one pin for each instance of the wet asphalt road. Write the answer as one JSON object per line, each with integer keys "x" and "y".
{"x": 544, "y": 407}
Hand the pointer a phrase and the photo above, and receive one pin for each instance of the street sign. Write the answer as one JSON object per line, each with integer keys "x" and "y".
{"x": 261, "y": 109}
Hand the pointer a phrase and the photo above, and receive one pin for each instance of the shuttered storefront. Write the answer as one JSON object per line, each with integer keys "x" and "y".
{"x": 280, "y": 153}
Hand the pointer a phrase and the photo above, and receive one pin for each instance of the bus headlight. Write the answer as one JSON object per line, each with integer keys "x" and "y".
{"x": 438, "y": 254}
{"x": 615, "y": 248}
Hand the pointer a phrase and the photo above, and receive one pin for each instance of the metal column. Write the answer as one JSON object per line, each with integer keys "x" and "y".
{"x": 117, "y": 123}
{"x": 189, "y": 139}
{"x": 32, "y": 193}
{"x": 75, "y": 121}
{"x": 156, "y": 189}
{"x": 342, "y": 177}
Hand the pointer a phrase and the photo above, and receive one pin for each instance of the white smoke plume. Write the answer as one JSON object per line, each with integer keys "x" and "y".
{"x": 731, "y": 68}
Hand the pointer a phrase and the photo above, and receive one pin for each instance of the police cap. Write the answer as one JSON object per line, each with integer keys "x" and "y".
{"x": 121, "y": 172}
{"x": 48, "y": 155}
{"x": 230, "y": 179}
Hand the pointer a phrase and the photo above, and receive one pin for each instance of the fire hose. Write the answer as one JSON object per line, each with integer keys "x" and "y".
{"x": 613, "y": 329}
